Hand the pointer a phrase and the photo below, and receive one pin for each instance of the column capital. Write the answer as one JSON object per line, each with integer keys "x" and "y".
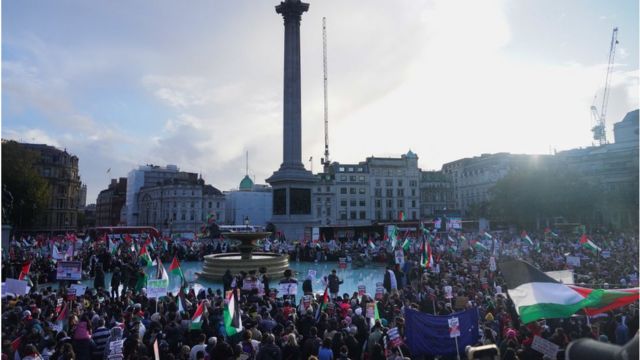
{"x": 291, "y": 10}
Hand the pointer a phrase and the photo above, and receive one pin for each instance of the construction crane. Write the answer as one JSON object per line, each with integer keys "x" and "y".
{"x": 599, "y": 130}
{"x": 325, "y": 160}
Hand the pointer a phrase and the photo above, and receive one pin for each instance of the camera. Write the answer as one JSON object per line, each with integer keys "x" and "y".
{"x": 484, "y": 352}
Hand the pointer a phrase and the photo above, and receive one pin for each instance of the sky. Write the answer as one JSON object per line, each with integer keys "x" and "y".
{"x": 199, "y": 83}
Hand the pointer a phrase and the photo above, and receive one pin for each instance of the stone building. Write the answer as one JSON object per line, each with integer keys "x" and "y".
{"x": 251, "y": 203}
{"x": 374, "y": 190}
{"x": 110, "y": 202}
{"x": 436, "y": 193}
{"x": 60, "y": 169}
{"x": 181, "y": 204}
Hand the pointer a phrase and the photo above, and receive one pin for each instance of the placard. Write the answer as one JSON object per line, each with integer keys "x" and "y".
{"x": 573, "y": 261}
{"x": 606, "y": 254}
{"x": 16, "y": 287}
{"x": 287, "y": 289}
{"x": 371, "y": 310}
{"x": 69, "y": 270}
{"x": 399, "y": 255}
{"x": 80, "y": 289}
{"x": 157, "y": 288}
{"x": 379, "y": 293}
{"x": 312, "y": 274}
{"x": 448, "y": 292}
{"x": 115, "y": 347}
{"x": 361, "y": 290}
{"x": 454, "y": 327}
{"x": 249, "y": 284}
{"x": 545, "y": 347}
{"x": 306, "y": 301}
{"x": 461, "y": 302}
{"x": 394, "y": 337}
{"x": 342, "y": 263}
{"x": 71, "y": 294}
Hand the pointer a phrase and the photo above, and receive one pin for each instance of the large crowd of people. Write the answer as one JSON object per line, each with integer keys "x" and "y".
{"x": 47, "y": 323}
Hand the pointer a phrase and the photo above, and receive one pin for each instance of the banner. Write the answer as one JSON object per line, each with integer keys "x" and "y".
{"x": 287, "y": 289}
{"x": 80, "y": 289}
{"x": 16, "y": 287}
{"x": 69, "y": 270}
{"x": 573, "y": 261}
{"x": 394, "y": 337}
{"x": 315, "y": 234}
{"x": 431, "y": 335}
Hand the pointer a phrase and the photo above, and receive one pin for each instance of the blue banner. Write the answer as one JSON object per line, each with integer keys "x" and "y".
{"x": 431, "y": 335}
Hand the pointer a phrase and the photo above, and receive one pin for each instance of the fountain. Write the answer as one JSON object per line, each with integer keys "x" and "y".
{"x": 215, "y": 265}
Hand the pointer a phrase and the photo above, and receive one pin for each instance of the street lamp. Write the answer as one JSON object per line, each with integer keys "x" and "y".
{"x": 246, "y": 222}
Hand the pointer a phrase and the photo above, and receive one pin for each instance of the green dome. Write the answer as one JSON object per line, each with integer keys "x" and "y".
{"x": 411, "y": 155}
{"x": 246, "y": 184}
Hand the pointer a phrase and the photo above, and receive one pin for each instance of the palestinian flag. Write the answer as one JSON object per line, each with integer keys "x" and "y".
{"x": 144, "y": 256}
{"x": 406, "y": 245}
{"x": 175, "y": 269}
{"x": 401, "y": 216}
{"x": 426, "y": 259}
{"x": 231, "y": 314}
{"x": 376, "y": 315}
{"x": 141, "y": 282}
{"x": 322, "y": 306}
{"x": 548, "y": 232}
{"x": 182, "y": 304}
{"x": 15, "y": 344}
{"x": 477, "y": 245}
{"x": 63, "y": 313}
{"x": 113, "y": 247}
{"x": 588, "y": 244}
{"x": 525, "y": 237}
{"x": 371, "y": 244}
{"x": 611, "y": 299}
{"x": 25, "y": 270}
{"x": 161, "y": 273}
{"x": 196, "y": 320}
{"x": 536, "y": 295}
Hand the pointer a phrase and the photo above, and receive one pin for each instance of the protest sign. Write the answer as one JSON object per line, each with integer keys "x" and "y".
{"x": 17, "y": 287}
{"x": 371, "y": 310}
{"x": 306, "y": 301}
{"x": 606, "y": 254}
{"x": 454, "y": 327}
{"x": 71, "y": 294}
{"x": 249, "y": 284}
{"x": 312, "y": 274}
{"x": 115, "y": 347}
{"x": 394, "y": 337}
{"x": 448, "y": 292}
{"x": 545, "y": 347}
{"x": 342, "y": 263}
{"x": 361, "y": 290}
{"x": 157, "y": 288}
{"x": 399, "y": 257}
{"x": 573, "y": 261}
{"x": 379, "y": 293}
{"x": 287, "y": 289}
{"x": 492, "y": 263}
{"x": 80, "y": 289}
{"x": 69, "y": 270}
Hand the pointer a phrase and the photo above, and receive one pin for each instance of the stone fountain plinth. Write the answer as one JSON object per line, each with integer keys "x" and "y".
{"x": 215, "y": 265}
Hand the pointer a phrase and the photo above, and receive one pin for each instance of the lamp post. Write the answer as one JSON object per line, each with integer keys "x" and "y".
{"x": 246, "y": 222}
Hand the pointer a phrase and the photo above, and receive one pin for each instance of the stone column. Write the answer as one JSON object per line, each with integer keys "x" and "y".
{"x": 291, "y": 11}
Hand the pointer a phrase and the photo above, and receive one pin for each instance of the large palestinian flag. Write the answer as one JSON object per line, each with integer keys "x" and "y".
{"x": 231, "y": 314}
{"x": 536, "y": 295}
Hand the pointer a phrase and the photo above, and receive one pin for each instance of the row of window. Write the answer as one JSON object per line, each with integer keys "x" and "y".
{"x": 350, "y": 169}
{"x": 352, "y": 190}
{"x": 389, "y": 192}
{"x": 362, "y": 215}
{"x": 352, "y": 178}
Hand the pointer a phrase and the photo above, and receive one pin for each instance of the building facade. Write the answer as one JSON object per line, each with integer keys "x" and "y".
{"x": 60, "y": 170}
{"x": 436, "y": 193}
{"x": 473, "y": 178}
{"x": 180, "y": 204}
{"x": 251, "y": 203}
{"x": 146, "y": 175}
{"x": 374, "y": 190}
{"x": 110, "y": 203}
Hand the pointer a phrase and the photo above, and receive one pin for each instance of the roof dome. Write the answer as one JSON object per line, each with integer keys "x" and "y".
{"x": 411, "y": 155}
{"x": 246, "y": 184}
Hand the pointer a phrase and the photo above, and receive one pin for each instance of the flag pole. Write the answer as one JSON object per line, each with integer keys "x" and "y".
{"x": 457, "y": 348}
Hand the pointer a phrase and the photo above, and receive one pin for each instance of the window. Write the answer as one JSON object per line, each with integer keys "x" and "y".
{"x": 343, "y": 203}
{"x": 413, "y": 192}
{"x": 350, "y": 169}
{"x": 328, "y": 211}
{"x": 343, "y": 215}
{"x": 361, "y": 178}
{"x": 319, "y": 200}
{"x": 363, "y": 215}
{"x": 362, "y": 190}
{"x": 378, "y": 203}
{"x": 353, "y": 202}
{"x": 413, "y": 183}
{"x": 389, "y": 203}
{"x": 362, "y": 203}
{"x": 217, "y": 204}
{"x": 413, "y": 203}
{"x": 378, "y": 192}
{"x": 378, "y": 182}
{"x": 352, "y": 190}
{"x": 183, "y": 216}
{"x": 319, "y": 210}
{"x": 319, "y": 189}
{"x": 341, "y": 169}
{"x": 191, "y": 216}
{"x": 389, "y": 214}
{"x": 352, "y": 178}
{"x": 174, "y": 216}
{"x": 300, "y": 201}
{"x": 400, "y": 192}
{"x": 280, "y": 201}
{"x": 400, "y": 203}
{"x": 389, "y": 192}
{"x": 343, "y": 190}
{"x": 343, "y": 177}
{"x": 352, "y": 215}
{"x": 378, "y": 215}
{"x": 328, "y": 188}
{"x": 388, "y": 182}
{"x": 400, "y": 182}
{"x": 192, "y": 206}
{"x": 360, "y": 169}
{"x": 413, "y": 215}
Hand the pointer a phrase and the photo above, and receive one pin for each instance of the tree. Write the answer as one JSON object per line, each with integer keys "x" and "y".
{"x": 30, "y": 191}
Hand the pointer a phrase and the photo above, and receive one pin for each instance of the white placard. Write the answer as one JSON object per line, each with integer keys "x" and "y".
{"x": 573, "y": 261}
{"x": 80, "y": 289}
{"x": 564, "y": 276}
{"x": 545, "y": 347}
{"x": 287, "y": 289}
{"x": 17, "y": 287}
{"x": 454, "y": 327}
{"x": 157, "y": 288}
{"x": 69, "y": 270}
{"x": 115, "y": 347}
{"x": 312, "y": 274}
{"x": 448, "y": 292}
{"x": 492, "y": 263}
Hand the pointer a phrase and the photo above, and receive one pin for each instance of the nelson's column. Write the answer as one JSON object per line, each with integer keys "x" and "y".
{"x": 292, "y": 183}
